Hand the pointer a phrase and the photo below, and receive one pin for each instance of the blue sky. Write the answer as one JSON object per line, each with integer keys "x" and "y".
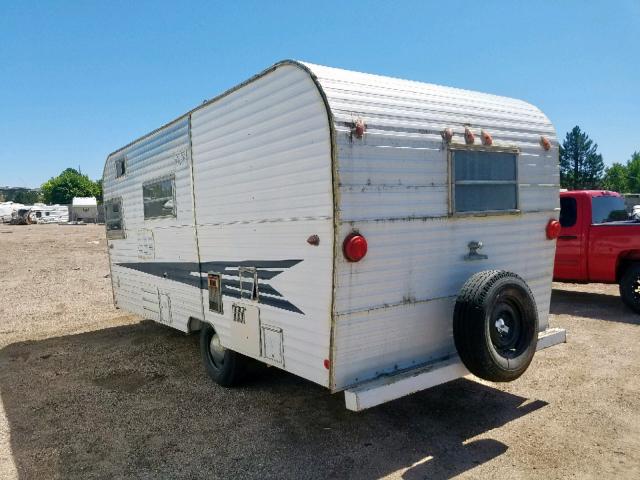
{"x": 79, "y": 79}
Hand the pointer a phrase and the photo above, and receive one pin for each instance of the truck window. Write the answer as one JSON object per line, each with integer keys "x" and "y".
{"x": 568, "y": 211}
{"x": 484, "y": 181}
{"x": 159, "y": 199}
{"x": 113, "y": 218}
{"x": 608, "y": 209}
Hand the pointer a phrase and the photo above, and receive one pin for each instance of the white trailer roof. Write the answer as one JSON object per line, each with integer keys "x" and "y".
{"x": 411, "y": 107}
{"x": 417, "y": 108}
{"x": 84, "y": 202}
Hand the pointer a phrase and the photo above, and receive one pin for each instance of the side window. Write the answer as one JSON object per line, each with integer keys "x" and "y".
{"x": 483, "y": 181}
{"x": 608, "y": 208}
{"x": 158, "y": 197}
{"x": 568, "y": 211}
{"x": 121, "y": 167}
{"x": 113, "y": 218}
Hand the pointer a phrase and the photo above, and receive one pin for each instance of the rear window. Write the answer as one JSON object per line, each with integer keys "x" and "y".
{"x": 568, "y": 211}
{"x": 484, "y": 181}
{"x": 608, "y": 209}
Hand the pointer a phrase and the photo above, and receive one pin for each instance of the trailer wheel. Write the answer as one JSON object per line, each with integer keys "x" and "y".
{"x": 224, "y": 366}
{"x": 495, "y": 325}
{"x": 630, "y": 287}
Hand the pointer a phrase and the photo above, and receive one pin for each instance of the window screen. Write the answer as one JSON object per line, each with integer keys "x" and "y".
{"x": 484, "y": 181}
{"x": 608, "y": 209}
{"x": 121, "y": 168}
{"x": 113, "y": 218}
{"x": 568, "y": 211}
{"x": 159, "y": 200}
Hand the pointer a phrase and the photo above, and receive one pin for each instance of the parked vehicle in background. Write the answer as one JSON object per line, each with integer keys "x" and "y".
{"x": 40, "y": 213}
{"x": 7, "y": 209}
{"x": 598, "y": 242}
{"x": 84, "y": 209}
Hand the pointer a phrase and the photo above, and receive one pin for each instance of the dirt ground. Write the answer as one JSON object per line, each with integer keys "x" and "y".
{"x": 87, "y": 391}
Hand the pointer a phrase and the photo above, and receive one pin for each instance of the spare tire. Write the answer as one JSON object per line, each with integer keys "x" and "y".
{"x": 495, "y": 325}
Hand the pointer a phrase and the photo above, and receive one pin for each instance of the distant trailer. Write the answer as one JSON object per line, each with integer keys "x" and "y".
{"x": 41, "y": 213}
{"x": 7, "y": 209}
{"x": 84, "y": 209}
{"x": 373, "y": 235}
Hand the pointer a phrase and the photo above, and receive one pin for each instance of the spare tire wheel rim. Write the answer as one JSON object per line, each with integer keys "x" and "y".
{"x": 506, "y": 327}
{"x": 216, "y": 351}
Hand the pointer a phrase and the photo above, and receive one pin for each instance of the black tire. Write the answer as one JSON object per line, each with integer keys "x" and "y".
{"x": 224, "y": 366}
{"x": 630, "y": 287}
{"x": 495, "y": 325}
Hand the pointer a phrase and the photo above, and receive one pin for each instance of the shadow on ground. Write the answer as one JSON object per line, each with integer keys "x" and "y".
{"x": 133, "y": 401}
{"x": 598, "y": 306}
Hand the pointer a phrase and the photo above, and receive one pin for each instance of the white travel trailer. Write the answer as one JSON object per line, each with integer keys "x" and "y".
{"x": 41, "y": 213}
{"x": 7, "y": 209}
{"x": 376, "y": 236}
{"x": 84, "y": 209}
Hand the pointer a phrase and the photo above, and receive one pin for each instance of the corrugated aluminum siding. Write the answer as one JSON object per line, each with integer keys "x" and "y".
{"x": 262, "y": 170}
{"x": 394, "y": 308}
{"x": 164, "y": 153}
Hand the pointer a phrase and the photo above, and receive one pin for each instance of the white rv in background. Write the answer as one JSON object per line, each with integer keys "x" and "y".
{"x": 7, "y": 209}
{"x": 40, "y": 213}
{"x": 373, "y": 235}
{"x": 84, "y": 209}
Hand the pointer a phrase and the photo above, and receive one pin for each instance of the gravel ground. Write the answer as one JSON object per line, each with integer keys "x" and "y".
{"x": 87, "y": 391}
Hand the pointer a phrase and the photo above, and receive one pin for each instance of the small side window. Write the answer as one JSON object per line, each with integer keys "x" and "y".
{"x": 121, "y": 167}
{"x": 568, "y": 211}
{"x": 158, "y": 197}
{"x": 483, "y": 181}
{"x": 113, "y": 218}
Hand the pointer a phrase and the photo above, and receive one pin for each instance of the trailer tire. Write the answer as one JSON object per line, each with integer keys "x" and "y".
{"x": 224, "y": 366}
{"x": 630, "y": 287}
{"x": 495, "y": 325}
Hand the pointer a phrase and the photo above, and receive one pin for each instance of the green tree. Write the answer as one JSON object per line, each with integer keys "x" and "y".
{"x": 27, "y": 197}
{"x": 633, "y": 173}
{"x": 581, "y": 166}
{"x": 98, "y": 195}
{"x": 70, "y": 183}
{"x": 616, "y": 178}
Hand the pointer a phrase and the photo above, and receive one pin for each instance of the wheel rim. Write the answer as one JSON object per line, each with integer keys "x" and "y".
{"x": 506, "y": 328}
{"x": 216, "y": 351}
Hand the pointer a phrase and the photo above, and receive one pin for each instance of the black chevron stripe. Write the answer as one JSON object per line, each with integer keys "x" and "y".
{"x": 189, "y": 274}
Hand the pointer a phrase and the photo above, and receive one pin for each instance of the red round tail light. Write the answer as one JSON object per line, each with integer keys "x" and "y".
{"x": 354, "y": 247}
{"x": 553, "y": 229}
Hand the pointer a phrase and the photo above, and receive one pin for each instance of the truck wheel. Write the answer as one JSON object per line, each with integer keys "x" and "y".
{"x": 224, "y": 366}
{"x": 495, "y": 325}
{"x": 630, "y": 287}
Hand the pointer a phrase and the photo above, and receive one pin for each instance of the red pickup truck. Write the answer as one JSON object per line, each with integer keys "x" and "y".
{"x": 598, "y": 242}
